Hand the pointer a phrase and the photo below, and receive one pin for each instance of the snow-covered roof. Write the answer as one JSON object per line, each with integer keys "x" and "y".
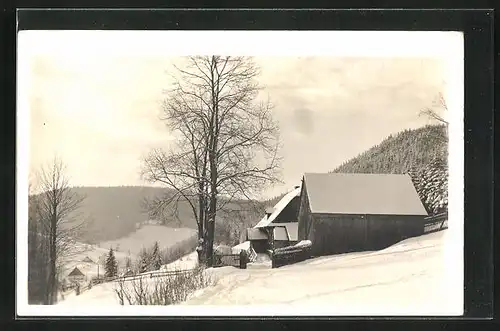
{"x": 372, "y": 194}
{"x": 278, "y": 208}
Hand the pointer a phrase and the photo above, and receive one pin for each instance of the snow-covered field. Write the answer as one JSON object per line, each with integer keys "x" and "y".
{"x": 146, "y": 237}
{"x": 407, "y": 278}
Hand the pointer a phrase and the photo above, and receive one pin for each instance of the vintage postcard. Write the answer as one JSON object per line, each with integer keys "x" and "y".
{"x": 238, "y": 173}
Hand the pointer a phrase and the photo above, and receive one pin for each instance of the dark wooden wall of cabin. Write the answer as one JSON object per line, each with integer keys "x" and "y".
{"x": 336, "y": 234}
{"x": 386, "y": 230}
{"x": 304, "y": 216}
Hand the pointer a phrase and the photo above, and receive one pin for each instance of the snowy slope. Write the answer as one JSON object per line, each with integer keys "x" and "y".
{"x": 104, "y": 294}
{"x": 407, "y": 278}
{"x": 409, "y": 274}
{"x": 128, "y": 246}
{"x": 90, "y": 269}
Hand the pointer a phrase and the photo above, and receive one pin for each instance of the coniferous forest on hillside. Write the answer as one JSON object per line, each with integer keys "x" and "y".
{"x": 422, "y": 153}
{"x": 402, "y": 152}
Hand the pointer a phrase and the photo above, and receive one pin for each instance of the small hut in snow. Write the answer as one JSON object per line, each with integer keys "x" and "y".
{"x": 76, "y": 275}
{"x": 342, "y": 212}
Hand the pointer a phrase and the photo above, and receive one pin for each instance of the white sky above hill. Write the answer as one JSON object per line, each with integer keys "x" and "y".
{"x": 93, "y": 97}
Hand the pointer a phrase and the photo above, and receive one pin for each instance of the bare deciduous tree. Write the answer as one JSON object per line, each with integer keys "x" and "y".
{"x": 436, "y": 111}
{"x": 226, "y": 141}
{"x": 56, "y": 213}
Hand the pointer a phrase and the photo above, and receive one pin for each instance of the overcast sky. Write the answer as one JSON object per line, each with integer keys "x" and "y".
{"x": 99, "y": 111}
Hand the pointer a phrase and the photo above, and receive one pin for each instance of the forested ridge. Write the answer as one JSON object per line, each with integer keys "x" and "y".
{"x": 422, "y": 153}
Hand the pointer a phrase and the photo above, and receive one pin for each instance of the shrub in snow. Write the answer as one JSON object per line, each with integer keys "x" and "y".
{"x": 165, "y": 290}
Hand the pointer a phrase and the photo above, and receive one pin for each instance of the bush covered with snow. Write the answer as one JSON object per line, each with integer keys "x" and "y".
{"x": 163, "y": 291}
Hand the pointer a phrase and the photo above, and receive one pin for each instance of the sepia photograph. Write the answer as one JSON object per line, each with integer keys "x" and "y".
{"x": 238, "y": 173}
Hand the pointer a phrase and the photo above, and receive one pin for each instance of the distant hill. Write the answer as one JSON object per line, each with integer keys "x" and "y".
{"x": 115, "y": 212}
{"x": 146, "y": 236}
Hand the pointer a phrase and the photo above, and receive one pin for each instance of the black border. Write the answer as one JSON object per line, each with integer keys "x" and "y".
{"x": 263, "y": 19}
{"x": 478, "y": 33}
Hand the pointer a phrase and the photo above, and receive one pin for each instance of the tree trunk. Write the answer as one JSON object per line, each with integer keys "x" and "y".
{"x": 51, "y": 288}
{"x": 212, "y": 209}
{"x": 210, "y": 240}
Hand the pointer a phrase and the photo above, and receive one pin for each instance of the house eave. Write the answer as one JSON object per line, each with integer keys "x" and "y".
{"x": 365, "y": 214}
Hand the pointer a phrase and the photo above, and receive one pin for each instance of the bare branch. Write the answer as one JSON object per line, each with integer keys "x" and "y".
{"x": 227, "y": 141}
{"x": 439, "y": 106}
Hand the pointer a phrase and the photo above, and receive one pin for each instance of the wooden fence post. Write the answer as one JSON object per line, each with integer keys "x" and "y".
{"x": 243, "y": 259}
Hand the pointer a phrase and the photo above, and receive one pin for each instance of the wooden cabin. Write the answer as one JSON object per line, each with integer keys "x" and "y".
{"x": 76, "y": 276}
{"x": 342, "y": 213}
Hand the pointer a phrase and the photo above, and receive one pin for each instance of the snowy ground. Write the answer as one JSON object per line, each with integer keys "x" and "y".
{"x": 90, "y": 269}
{"x": 104, "y": 294}
{"x": 146, "y": 237}
{"x": 407, "y": 278}
{"x": 410, "y": 273}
